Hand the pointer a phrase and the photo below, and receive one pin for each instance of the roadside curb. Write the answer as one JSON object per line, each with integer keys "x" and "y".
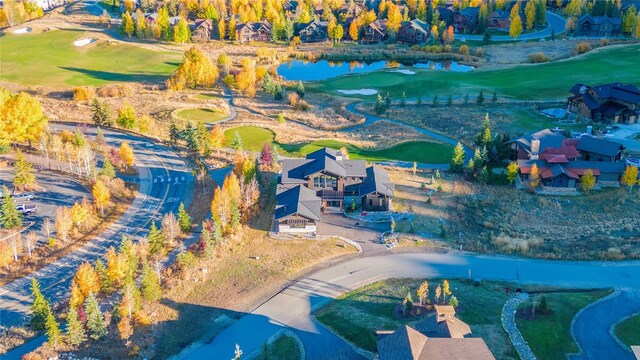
{"x": 364, "y": 353}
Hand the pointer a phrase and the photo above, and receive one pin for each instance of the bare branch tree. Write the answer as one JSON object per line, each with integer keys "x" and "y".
{"x": 30, "y": 242}
{"x": 170, "y": 227}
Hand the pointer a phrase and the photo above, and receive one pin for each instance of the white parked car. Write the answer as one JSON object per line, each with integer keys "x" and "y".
{"x": 23, "y": 197}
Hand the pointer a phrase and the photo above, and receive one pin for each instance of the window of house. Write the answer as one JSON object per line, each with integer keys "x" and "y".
{"x": 370, "y": 202}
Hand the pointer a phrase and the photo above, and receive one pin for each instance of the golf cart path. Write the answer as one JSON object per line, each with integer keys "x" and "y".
{"x": 292, "y": 307}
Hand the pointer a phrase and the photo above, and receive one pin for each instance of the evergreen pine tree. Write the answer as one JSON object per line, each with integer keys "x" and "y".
{"x": 9, "y": 216}
{"x": 184, "y": 219}
{"x": 466, "y": 98}
{"x": 435, "y": 100}
{"x": 237, "y": 141}
{"x": 40, "y": 308}
{"x": 494, "y": 99}
{"x": 100, "y": 115}
{"x": 480, "y": 98}
{"x": 107, "y": 169}
{"x": 174, "y": 133}
{"x": 106, "y": 286}
{"x": 387, "y": 101}
{"x": 457, "y": 160}
{"x": 380, "y": 107}
{"x": 156, "y": 242}
{"x": 449, "y": 101}
{"x": 150, "y": 284}
{"x": 95, "y": 321}
{"x": 54, "y": 336}
{"x": 75, "y": 334}
{"x": 300, "y": 89}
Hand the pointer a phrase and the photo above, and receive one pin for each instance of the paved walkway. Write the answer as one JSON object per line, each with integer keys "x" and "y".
{"x": 293, "y": 306}
{"x": 592, "y": 327}
{"x": 554, "y": 22}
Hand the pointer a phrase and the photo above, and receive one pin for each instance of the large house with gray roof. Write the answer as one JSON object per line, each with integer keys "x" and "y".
{"x": 610, "y": 103}
{"x": 441, "y": 336}
{"x": 327, "y": 181}
{"x": 562, "y": 161}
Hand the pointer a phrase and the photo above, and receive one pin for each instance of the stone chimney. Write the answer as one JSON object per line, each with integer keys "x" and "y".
{"x": 339, "y": 156}
{"x": 535, "y": 149}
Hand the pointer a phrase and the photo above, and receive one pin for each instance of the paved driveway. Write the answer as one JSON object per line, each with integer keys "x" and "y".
{"x": 366, "y": 234}
{"x": 591, "y": 327}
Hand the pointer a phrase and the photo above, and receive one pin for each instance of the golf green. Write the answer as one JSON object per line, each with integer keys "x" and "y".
{"x": 253, "y": 138}
{"x": 207, "y": 116}
{"x": 50, "y": 58}
{"x": 531, "y": 82}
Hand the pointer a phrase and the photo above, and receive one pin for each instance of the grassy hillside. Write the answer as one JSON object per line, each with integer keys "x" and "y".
{"x": 51, "y": 59}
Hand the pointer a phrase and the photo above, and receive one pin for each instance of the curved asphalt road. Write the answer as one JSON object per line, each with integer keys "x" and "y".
{"x": 591, "y": 327}
{"x": 554, "y": 22}
{"x": 165, "y": 181}
{"x": 292, "y": 307}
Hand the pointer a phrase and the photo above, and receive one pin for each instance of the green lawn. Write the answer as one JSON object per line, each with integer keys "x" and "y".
{"x": 356, "y": 315}
{"x": 51, "y": 59}
{"x": 206, "y": 116}
{"x": 253, "y": 138}
{"x": 284, "y": 348}
{"x": 531, "y": 82}
{"x": 549, "y": 336}
{"x": 628, "y": 331}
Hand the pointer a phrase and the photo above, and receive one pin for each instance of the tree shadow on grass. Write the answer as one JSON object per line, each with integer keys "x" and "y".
{"x": 114, "y": 76}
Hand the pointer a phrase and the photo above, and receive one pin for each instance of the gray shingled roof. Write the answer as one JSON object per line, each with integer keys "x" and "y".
{"x": 298, "y": 200}
{"x": 409, "y": 344}
{"x": 296, "y": 171}
{"x": 547, "y": 139}
{"x": 377, "y": 181}
{"x": 598, "y": 146}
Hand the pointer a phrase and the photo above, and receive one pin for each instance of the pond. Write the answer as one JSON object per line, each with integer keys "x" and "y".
{"x": 295, "y": 70}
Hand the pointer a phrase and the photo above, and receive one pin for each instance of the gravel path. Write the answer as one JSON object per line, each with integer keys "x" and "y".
{"x": 509, "y": 324}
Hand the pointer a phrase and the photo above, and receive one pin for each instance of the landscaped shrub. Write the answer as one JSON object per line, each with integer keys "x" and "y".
{"x": 480, "y": 52}
{"x": 229, "y": 80}
{"x": 116, "y": 90}
{"x": 83, "y": 93}
{"x": 604, "y": 42}
{"x": 464, "y": 50}
{"x": 583, "y": 47}
{"x": 538, "y": 57}
{"x": 447, "y": 48}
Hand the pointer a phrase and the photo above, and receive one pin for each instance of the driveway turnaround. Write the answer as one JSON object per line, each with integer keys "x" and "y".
{"x": 292, "y": 307}
{"x": 591, "y": 327}
{"x": 165, "y": 181}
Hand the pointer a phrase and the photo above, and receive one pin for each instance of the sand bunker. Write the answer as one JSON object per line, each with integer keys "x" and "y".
{"x": 359, "y": 92}
{"x": 83, "y": 42}
{"x": 24, "y": 30}
{"x": 404, "y": 71}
